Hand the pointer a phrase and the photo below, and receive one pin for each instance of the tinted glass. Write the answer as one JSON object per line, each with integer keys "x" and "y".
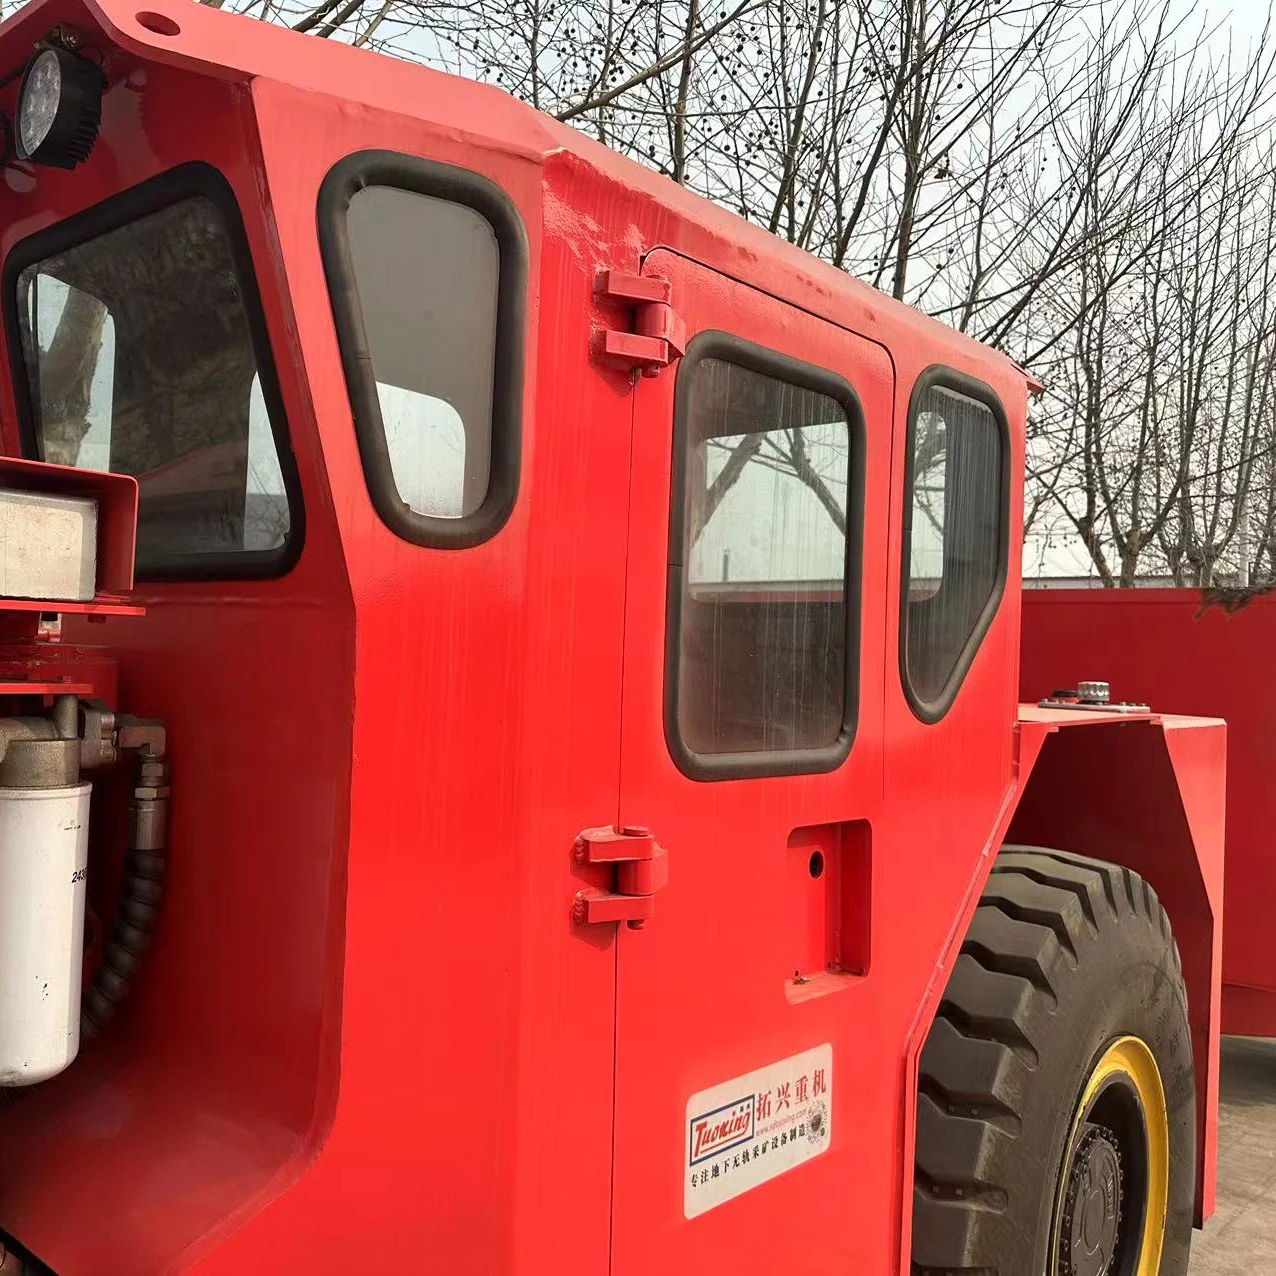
{"x": 139, "y": 359}
{"x": 955, "y": 534}
{"x": 762, "y": 630}
{"x": 427, "y": 273}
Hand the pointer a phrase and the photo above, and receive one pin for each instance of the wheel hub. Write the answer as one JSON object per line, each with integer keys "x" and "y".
{"x": 1092, "y": 1205}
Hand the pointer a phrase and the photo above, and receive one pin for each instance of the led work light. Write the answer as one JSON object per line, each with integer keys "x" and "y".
{"x": 59, "y": 109}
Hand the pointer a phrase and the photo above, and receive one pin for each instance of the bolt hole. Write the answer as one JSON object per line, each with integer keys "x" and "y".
{"x": 159, "y": 23}
{"x": 816, "y": 864}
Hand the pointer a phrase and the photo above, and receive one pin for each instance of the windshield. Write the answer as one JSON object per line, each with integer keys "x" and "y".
{"x": 139, "y": 359}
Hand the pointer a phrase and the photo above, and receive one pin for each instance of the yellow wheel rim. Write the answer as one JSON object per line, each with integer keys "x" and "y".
{"x": 1116, "y": 1166}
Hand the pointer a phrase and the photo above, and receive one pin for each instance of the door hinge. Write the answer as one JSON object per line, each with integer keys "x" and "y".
{"x": 655, "y": 336}
{"x": 641, "y": 869}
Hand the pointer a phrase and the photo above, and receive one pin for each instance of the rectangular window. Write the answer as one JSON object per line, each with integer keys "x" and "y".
{"x": 761, "y": 605}
{"x": 956, "y": 552}
{"x": 139, "y": 357}
{"x": 426, "y": 266}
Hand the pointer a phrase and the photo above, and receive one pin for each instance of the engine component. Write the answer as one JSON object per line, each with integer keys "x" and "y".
{"x": 44, "y": 824}
{"x": 44, "y": 834}
{"x": 44, "y": 845}
{"x": 67, "y": 545}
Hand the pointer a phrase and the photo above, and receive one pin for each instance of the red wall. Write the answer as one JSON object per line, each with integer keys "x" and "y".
{"x": 1162, "y": 647}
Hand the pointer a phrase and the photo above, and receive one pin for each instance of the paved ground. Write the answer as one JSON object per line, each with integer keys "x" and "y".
{"x": 1240, "y": 1240}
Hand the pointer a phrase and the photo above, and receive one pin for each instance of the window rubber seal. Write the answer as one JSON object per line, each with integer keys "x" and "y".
{"x": 457, "y": 186}
{"x": 187, "y": 181}
{"x": 755, "y": 764}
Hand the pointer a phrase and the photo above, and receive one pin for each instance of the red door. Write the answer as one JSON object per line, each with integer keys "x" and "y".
{"x": 752, "y": 749}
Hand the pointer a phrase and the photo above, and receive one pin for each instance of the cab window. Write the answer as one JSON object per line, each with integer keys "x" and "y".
{"x": 765, "y": 553}
{"x": 955, "y": 533}
{"x": 142, "y": 350}
{"x": 426, "y": 267}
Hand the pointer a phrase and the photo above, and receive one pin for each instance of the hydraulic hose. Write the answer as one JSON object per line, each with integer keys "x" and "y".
{"x": 142, "y": 886}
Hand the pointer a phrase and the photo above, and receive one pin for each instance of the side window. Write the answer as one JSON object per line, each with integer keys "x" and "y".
{"x": 426, "y": 266}
{"x": 141, "y": 355}
{"x": 955, "y": 537}
{"x": 765, "y": 542}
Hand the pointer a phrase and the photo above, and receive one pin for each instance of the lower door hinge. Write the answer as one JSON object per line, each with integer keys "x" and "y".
{"x": 641, "y": 869}
{"x": 655, "y": 336}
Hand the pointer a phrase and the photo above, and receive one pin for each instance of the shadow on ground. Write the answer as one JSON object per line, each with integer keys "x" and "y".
{"x": 1249, "y": 1072}
{"x": 1240, "y": 1240}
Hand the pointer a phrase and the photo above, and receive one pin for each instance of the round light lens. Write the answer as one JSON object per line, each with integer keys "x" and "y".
{"x": 41, "y": 96}
{"x": 59, "y": 108}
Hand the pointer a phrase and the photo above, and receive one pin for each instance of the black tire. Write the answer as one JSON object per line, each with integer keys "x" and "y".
{"x": 1064, "y": 955}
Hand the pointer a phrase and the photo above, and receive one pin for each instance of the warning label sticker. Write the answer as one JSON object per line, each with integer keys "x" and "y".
{"x": 743, "y": 1132}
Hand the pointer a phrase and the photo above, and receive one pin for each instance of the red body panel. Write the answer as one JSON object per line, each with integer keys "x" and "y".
{"x": 219, "y": 1077}
{"x": 371, "y": 1032}
{"x": 1144, "y": 792}
{"x": 1163, "y": 647}
{"x": 714, "y": 970}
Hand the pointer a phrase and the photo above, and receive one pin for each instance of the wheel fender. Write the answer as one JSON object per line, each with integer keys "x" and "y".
{"x": 1147, "y": 794}
{"x": 1150, "y": 797}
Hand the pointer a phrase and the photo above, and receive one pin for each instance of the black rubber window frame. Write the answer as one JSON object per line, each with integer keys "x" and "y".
{"x": 458, "y": 186}
{"x": 757, "y": 764}
{"x": 188, "y": 181}
{"x": 939, "y": 376}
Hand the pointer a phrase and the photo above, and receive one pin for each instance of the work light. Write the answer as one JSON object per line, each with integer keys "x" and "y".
{"x": 59, "y": 109}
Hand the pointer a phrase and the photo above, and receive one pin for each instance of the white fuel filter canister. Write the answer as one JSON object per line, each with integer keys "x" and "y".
{"x": 44, "y": 843}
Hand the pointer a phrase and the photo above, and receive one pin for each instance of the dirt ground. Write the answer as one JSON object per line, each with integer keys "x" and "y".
{"x": 1240, "y": 1240}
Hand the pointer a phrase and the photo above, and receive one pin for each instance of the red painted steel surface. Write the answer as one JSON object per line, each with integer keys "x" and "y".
{"x": 1163, "y": 647}
{"x": 370, "y": 1030}
{"x": 220, "y": 1076}
{"x": 1144, "y": 792}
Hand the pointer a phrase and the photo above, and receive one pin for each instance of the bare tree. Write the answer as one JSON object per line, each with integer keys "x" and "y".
{"x": 1150, "y": 446}
{"x": 1078, "y": 182}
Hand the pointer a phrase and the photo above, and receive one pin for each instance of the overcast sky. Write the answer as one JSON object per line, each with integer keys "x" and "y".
{"x": 1243, "y": 20}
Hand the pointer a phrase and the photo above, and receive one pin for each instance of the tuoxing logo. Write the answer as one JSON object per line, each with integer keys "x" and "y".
{"x": 743, "y": 1132}
{"x": 723, "y": 1128}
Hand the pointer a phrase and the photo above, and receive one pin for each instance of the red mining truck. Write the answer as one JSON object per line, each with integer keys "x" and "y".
{"x": 604, "y": 834}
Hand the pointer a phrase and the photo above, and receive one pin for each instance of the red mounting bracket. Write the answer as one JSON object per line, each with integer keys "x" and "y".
{"x": 642, "y": 869}
{"x": 656, "y": 336}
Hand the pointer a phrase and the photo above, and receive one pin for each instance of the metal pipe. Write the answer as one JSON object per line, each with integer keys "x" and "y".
{"x": 66, "y": 717}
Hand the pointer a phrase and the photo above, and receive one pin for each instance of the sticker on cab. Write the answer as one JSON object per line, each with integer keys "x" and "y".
{"x": 743, "y": 1132}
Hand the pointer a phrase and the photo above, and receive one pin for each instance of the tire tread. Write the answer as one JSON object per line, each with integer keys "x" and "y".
{"x": 979, "y": 1058}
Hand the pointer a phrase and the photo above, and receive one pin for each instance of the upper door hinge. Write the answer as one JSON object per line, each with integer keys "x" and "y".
{"x": 655, "y": 336}
{"x": 641, "y": 869}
